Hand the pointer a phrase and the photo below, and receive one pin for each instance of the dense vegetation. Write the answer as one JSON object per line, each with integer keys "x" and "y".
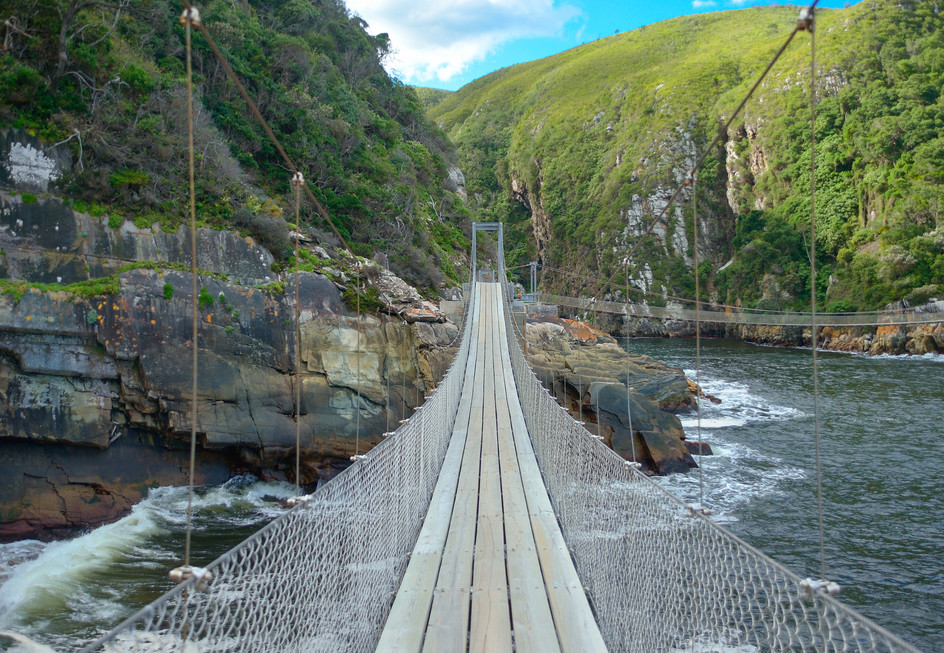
{"x": 578, "y": 152}
{"x": 108, "y": 78}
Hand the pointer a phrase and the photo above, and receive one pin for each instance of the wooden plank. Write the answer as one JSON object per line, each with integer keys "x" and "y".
{"x": 490, "y": 627}
{"x": 406, "y": 623}
{"x": 532, "y": 622}
{"x": 448, "y": 625}
{"x": 576, "y": 626}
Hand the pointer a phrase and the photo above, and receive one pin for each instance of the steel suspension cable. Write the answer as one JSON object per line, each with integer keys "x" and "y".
{"x": 811, "y": 27}
{"x": 629, "y": 400}
{"x": 357, "y": 355}
{"x": 701, "y": 160}
{"x": 265, "y": 126}
{"x": 740, "y": 309}
{"x": 297, "y": 182}
{"x": 701, "y": 467}
{"x": 189, "y": 19}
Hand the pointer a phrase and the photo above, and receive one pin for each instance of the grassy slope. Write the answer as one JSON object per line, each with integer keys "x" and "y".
{"x": 588, "y": 129}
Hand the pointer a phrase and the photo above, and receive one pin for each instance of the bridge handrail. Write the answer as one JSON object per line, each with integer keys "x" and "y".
{"x": 918, "y": 315}
{"x": 661, "y": 575}
{"x": 322, "y": 576}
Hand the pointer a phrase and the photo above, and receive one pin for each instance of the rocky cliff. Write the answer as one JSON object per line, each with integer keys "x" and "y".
{"x": 95, "y": 363}
{"x": 588, "y": 373}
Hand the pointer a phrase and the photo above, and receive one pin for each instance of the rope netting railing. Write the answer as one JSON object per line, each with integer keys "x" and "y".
{"x": 322, "y": 576}
{"x": 930, "y": 314}
{"x": 660, "y": 575}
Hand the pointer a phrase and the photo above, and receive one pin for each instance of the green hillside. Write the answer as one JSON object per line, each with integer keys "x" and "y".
{"x": 430, "y": 97}
{"x": 578, "y": 152}
{"x": 108, "y": 77}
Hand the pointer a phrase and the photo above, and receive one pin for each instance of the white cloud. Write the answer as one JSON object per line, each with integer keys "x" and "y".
{"x": 698, "y": 4}
{"x": 439, "y": 40}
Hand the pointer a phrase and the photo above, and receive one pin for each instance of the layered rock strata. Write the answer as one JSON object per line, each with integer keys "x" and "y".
{"x": 588, "y": 372}
{"x": 95, "y": 390}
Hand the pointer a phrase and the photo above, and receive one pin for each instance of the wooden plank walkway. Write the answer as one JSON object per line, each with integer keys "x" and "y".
{"x": 490, "y": 570}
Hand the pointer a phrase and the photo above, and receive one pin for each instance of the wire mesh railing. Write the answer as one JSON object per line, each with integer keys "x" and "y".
{"x": 322, "y": 576}
{"x": 930, "y": 314}
{"x": 660, "y": 575}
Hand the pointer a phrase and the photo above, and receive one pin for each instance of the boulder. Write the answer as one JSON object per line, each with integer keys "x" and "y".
{"x": 588, "y": 372}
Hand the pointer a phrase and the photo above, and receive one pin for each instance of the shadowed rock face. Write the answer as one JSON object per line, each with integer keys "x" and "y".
{"x": 95, "y": 394}
{"x": 588, "y": 372}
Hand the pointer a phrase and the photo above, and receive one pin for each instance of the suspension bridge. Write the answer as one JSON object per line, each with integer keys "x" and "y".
{"x": 492, "y": 521}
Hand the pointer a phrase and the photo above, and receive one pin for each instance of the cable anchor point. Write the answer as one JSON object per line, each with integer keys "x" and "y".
{"x": 298, "y": 180}
{"x": 192, "y": 16}
{"x": 809, "y": 588}
{"x": 806, "y": 22}
{"x": 697, "y": 510}
{"x": 291, "y": 502}
{"x": 202, "y": 575}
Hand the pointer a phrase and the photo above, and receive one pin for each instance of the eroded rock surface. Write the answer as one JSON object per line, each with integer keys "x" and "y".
{"x": 588, "y": 372}
{"x": 95, "y": 393}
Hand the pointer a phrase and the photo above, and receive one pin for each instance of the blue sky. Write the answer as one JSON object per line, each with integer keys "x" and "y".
{"x": 448, "y": 43}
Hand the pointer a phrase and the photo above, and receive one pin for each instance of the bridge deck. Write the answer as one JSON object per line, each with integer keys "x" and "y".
{"x": 490, "y": 570}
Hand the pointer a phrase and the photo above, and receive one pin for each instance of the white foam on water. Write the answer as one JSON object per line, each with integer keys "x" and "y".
{"x": 692, "y": 423}
{"x": 738, "y": 403}
{"x": 737, "y": 473}
{"x": 933, "y": 358}
{"x": 62, "y": 566}
{"x": 80, "y": 580}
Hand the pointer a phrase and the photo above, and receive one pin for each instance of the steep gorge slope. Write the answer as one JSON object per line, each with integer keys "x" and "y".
{"x": 105, "y": 81}
{"x": 579, "y": 152}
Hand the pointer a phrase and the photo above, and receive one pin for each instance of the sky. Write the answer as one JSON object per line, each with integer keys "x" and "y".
{"x": 448, "y": 43}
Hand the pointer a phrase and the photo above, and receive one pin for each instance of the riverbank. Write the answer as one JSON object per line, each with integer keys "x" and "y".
{"x": 884, "y": 337}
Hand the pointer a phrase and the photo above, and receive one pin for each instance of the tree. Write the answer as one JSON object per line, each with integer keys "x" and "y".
{"x": 71, "y": 27}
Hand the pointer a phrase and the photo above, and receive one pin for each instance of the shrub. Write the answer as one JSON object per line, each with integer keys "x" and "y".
{"x": 270, "y": 231}
{"x": 168, "y": 291}
{"x": 18, "y": 83}
{"x": 134, "y": 179}
{"x": 28, "y": 198}
{"x": 137, "y": 78}
{"x": 205, "y": 299}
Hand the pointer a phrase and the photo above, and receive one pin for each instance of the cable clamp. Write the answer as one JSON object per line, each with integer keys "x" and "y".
{"x": 596, "y": 437}
{"x": 294, "y": 501}
{"x": 357, "y": 457}
{"x": 806, "y": 21}
{"x": 387, "y": 434}
{"x": 202, "y": 575}
{"x": 298, "y": 179}
{"x": 689, "y": 178}
{"x": 697, "y": 510}
{"x": 809, "y": 588}
{"x": 633, "y": 464}
{"x": 191, "y": 16}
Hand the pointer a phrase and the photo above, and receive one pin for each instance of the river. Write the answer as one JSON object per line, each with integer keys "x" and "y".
{"x": 880, "y": 422}
{"x": 65, "y": 594}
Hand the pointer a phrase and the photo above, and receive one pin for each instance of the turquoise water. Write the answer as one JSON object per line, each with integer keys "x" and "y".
{"x": 881, "y": 423}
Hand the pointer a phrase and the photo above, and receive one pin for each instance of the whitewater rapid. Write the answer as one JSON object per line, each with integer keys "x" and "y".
{"x": 66, "y": 593}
